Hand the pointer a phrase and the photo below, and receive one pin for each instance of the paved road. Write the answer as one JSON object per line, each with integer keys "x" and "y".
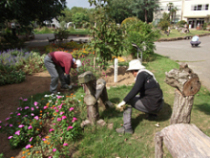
{"x": 41, "y": 40}
{"x": 197, "y": 58}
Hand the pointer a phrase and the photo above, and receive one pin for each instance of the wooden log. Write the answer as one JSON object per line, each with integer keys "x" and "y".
{"x": 158, "y": 145}
{"x": 185, "y": 141}
{"x": 183, "y": 79}
{"x": 182, "y": 108}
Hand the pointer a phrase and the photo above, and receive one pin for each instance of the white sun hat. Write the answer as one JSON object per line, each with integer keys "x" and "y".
{"x": 135, "y": 65}
{"x": 78, "y": 63}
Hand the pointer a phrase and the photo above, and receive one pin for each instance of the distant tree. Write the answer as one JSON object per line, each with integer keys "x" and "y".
{"x": 79, "y": 18}
{"x": 120, "y": 10}
{"x": 145, "y": 8}
{"x": 25, "y": 11}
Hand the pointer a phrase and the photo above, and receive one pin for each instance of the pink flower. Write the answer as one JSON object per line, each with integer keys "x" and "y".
{"x": 0, "y": 126}
{"x": 59, "y": 97}
{"x": 43, "y": 139}
{"x": 58, "y": 119}
{"x": 28, "y": 146}
{"x": 54, "y": 150}
{"x": 65, "y": 144}
{"x": 32, "y": 108}
{"x": 21, "y": 98}
{"x": 8, "y": 118}
{"x": 10, "y": 137}
{"x": 18, "y": 114}
{"x": 36, "y": 117}
{"x": 45, "y": 107}
{"x": 26, "y": 107}
{"x": 21, "y": 126}
{"x": 0, "y": 121}
{"x": 70, "y": 127}
{"x": 30, "y": 139}
{"x": 64, "y": 117}
{"x": 36, "y": 103}
{"x": 61, "y": 113}
{"x": 30, "y": 127}
{"x": 74, "y": 119}
{"x": 56, "y": 110}
{"x": 32, "y": 114}
{"x": 51, "y": 130}
{"x": 71, "y": 109}
{"x": 25, "y": 99}
{"x": 10, "y": 125}
{"x": 17, "y": 132}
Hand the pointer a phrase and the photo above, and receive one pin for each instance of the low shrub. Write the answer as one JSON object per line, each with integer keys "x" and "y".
{"x": 9, "y": 75}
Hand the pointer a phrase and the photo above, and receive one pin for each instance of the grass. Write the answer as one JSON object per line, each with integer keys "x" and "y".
{"x": 174, "y": 33}
{"x": 102, "y": 142}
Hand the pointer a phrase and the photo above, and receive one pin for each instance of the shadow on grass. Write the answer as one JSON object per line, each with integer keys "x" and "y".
{"x": 204, "y": 108}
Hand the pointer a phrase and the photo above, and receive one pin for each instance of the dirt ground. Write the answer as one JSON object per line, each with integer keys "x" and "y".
{"x": 39, "y": 83}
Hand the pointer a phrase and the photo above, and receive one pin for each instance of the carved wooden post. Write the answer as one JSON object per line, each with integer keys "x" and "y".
{"x": 94, "y": 91}
{"x": 187, "y": 84}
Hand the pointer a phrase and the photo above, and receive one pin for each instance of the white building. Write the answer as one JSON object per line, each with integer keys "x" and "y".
{"x": 195, "y": 12}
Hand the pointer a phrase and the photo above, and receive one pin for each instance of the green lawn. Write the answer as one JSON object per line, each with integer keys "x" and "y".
{"x": 102, "y": 142}
{"x": 174, "y": 33}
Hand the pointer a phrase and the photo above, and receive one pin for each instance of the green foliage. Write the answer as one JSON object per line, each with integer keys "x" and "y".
{"x": 61, "y": 33}
{"x": 43, "y": 30}
{"x": 204, "y": 26}
{"x": 24, "y": 11}
{"x": 9, "y": 75}
{"x": 143, "y": 35}
{"x": 181, "y": 23}
{"x": 1, "y": 155}
{"x": 120, "y": 10}
{"x": 164, "y": 22}
{"x": 129, "y": 21}
{"x": 144, "y": 9}
{"x": 79, "y": 18}
{"x": 107, "y": 36}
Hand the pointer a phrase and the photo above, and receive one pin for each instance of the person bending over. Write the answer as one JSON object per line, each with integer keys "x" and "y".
{"x": 195, "y": 41}
{"x": 58, "y": 63}
{"x": 150, "y": 99}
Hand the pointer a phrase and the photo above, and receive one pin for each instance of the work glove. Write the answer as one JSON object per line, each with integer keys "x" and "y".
{"x": 120, "y": 105}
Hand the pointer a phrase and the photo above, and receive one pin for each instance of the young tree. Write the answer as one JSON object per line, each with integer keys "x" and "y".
{"x": 107, "y": 36}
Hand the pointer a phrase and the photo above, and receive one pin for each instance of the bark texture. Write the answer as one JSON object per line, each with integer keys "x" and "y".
{"x": 184, "y": 80}
{"x": 183, "y": 141}
{"x": 182, "y": 108}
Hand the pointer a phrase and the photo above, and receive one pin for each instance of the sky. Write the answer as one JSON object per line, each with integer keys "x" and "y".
{"x": 78, "y": 3}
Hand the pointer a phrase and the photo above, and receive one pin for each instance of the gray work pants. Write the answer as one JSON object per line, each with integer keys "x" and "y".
{"x": 137, "y": 104}
{"x": 55, "y": 73}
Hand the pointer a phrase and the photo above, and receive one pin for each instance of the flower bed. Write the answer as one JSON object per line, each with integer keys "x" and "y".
{"x": 44, "y": 128}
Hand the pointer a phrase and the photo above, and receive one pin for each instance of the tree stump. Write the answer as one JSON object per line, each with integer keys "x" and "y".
{"x": 183, "y": 141}
{"x": 187, "y": 84}
{"x": 95, "y": 90}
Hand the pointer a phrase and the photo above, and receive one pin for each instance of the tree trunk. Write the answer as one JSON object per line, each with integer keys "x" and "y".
{"x": 182, "y": 108}
{"x": 183, "y": 141}
{"x": 158, "y": 145}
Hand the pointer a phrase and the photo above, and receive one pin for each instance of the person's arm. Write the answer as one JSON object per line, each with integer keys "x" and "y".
{"x": 68, "y": 65}
{"x": 136, "y": 88}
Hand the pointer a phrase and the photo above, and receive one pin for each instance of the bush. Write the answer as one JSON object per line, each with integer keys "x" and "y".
{"x": 143, "y": 35}
{"x": 204, "y": 26}
{"x": 181, "y": 23}
{"x": 9, "y": 75}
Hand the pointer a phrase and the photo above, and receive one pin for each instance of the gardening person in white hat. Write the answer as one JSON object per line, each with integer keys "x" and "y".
{"x": 59, "y": 65}
{"x": 150, "y": 99}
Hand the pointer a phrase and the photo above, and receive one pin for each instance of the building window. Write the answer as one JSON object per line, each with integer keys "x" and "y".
{"x": 207, "y": 7}
{"x": 199, "y": 7}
